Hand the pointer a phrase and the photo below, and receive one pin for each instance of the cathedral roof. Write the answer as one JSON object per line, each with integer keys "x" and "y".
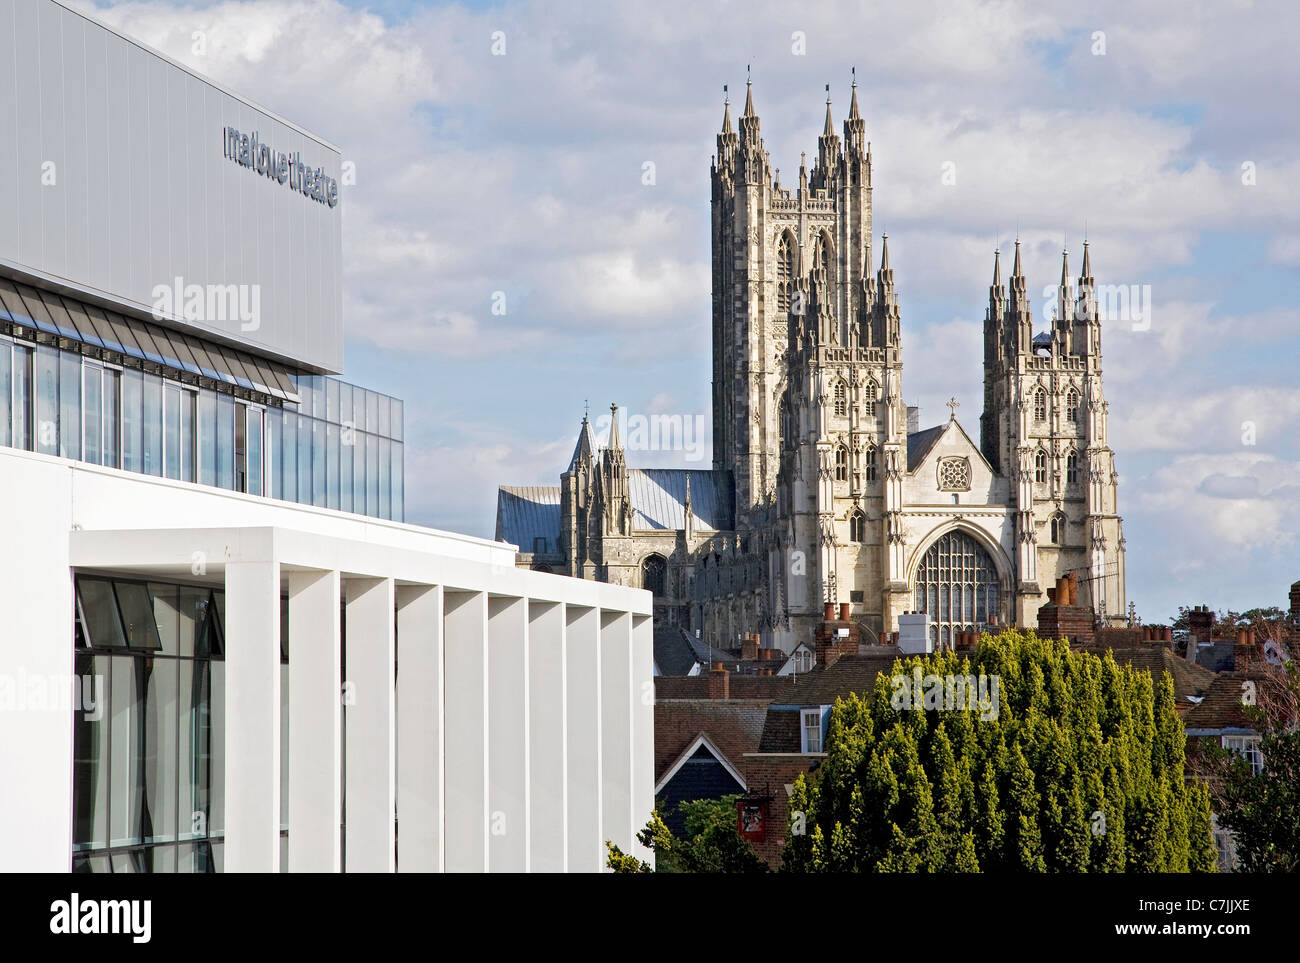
{"x": 919, "y": 444}
{"x": 529, "y": 512}
{"x": 658, "y": 498}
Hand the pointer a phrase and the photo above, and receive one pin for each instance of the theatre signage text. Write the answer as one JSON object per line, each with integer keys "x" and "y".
{"x": 249, "y": 151}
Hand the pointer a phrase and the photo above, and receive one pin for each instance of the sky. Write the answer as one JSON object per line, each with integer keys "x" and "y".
{"x": 529, "y": 228}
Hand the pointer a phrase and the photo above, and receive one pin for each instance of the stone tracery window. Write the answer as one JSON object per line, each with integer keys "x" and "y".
{"x": 841, "y": 463}
{"x": 857, "y": 526}
{"x": 1072, "y": 468}
{"x": 1072, "y": 406}
{"x": 654, "y": 572}
{"x": 871, "y": 464}
{"x": 841, "y": 399}
{"x": 954, "y": 474}
{"x": 784, "y": 275}
{"x": 1040, "y": 404}
{"x": 1040, "y": 467}
{"x": 957, "y": 585}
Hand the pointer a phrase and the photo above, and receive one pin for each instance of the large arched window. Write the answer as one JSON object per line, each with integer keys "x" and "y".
{"x": 857, "y": 526}
{"x": 841, "y": 464}
{"x": 654, "y": 575}
{"x": 1057, "y": 533}
{"x": 1072, "y": 468}
{"x": 1040, "y": 404}
{"x": 784, "y": 274}
{"x": 957, "y": 585}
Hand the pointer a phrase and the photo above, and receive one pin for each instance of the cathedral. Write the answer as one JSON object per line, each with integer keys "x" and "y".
{"x": 824, "y": 488}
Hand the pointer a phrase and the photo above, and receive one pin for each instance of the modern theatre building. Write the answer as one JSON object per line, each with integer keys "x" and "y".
{"x": 221, "y": 647}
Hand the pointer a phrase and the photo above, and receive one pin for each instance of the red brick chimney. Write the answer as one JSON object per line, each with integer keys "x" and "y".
{"x": 719, "y": 682}
{"x": 749, "y": 648}
{"x": 1063, "y": 618}
{"x": 1200, "y": 620}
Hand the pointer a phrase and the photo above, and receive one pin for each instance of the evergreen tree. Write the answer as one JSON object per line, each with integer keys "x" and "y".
{"x": 1077, "y": 767}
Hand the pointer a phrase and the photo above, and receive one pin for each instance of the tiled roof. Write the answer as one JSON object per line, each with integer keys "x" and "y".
{"x": 919, "y": 444}
{"x": 674, "y": 653}
{"x": 850, "y": 674}
{"x": 1221, "y": 708}
{"x": 659, "y": 498}
{"x": 781, "y": 731}
{"x": 528, "y": 512}
{"x": 734, "y": 726}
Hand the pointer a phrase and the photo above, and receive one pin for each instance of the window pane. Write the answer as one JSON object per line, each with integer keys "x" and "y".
{"x": 217, "y": 772}
{"x": 346, "y": 414}
{"x": 274, "y": 445}
{"x": 6, "y": 390}
{"x": 241, "y": 447}
{"x": 137, "y": 615}
{"x": 196, "y": 748}
{"x": 347, "y": 455}
{"x": 69, "y": 405}
{"x": 359, "y": 473}
{"x": 90, "y": 754}
{"x": 382, "y": 402}
{"x": 399, "y": 484}
{"x": 132, "y": 402}
{"x": 385, "y": 479}
{"x": 47, "y": 400}
{"x": 159, "y": 758}
{"x": 225, "y": 441}
{"x": 289, "y": 456}
{"x": 172, "y": 430}
{"x": 151, "y": 425}
{"x": 125, "y": 749}
{"x": 255, "y": 468}
{"x": 332, "y": 465}
{"x": 304, "y": 460}
{"x": 318, "y": 450}
{"x": 92, "y": 384}
{"x": 112, "y": 389}
{"x": 331, "y": 401}
{"x": 99, "y": 612}
{"x": 372, "y": 475}
{"x": 166, "y": 616}
{"x": 395, "y": 420}
{"x": 207, "y": 441}
{"x": 187, "y": 436}
{"x": 22, "y": 413}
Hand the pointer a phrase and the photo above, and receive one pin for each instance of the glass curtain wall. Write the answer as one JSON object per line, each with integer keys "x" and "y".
{"x": 340, "y": 448}
{"x": 149, "y": 727}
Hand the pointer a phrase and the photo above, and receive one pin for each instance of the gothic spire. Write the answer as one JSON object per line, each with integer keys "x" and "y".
{"x": 726, "y": 116}
{"x": 749, "y": 99}
{"x": 614, "y": 443}
{"x": 884, "y": 252}
{"x": 853, "y": 104}
{"x": 997, "y": 268}
{"x": 1015, "y": 268}
{"x": 1065, "y": 268}
{"x": 829, "y": 130}
{"x": 1087, "y": 262}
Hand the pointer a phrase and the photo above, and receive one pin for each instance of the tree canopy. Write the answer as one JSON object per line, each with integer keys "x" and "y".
{"x": 1078, "y": 768}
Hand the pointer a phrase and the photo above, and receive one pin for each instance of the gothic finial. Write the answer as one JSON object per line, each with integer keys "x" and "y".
{"x": 613, "y": 427}
{"x": 829, "y": 130}
{"x": 1065, "y": 268}
{"x": 1087, "y": 261}
{"x": 997, "y": 268}
{"x": 1015, "y": 268}
{"x": 954, "y": 404}
{"x": 853, "y": 104}
{"x": 749, "y": 94}
{"x": 884, "y": 252}
{"x": 726, "y": 111}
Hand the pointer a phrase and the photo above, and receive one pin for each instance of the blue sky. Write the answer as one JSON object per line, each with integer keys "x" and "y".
{"x": 522, "y": 174}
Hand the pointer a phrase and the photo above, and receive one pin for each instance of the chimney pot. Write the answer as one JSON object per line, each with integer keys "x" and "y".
{"x": 844, "y": 611}
{"x": 828, "y": 613}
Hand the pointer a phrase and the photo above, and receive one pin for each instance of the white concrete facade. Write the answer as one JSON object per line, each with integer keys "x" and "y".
{"x": 503, "y": 719}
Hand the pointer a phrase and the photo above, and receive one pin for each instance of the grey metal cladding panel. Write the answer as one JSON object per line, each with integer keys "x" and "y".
{"x": 527, "y": 512}
{"x": 9, "y": 127}
{"x": 72, "y": 180}
{"x": 98, "y": 124}
{"x": 53, "y": 140}
{"x": 26, "y": 138}
{"x": 144, "y": 193}
{"x": 121, "y": 245}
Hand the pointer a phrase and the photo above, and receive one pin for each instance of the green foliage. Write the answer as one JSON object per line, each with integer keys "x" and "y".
{"x": 711, "y": 844}
{"x": 1079, "y": 770}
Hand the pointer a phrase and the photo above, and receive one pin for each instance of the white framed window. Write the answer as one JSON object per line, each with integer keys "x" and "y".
{"x": 1248, "y": 748}
{"x": 811, "y": 730}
